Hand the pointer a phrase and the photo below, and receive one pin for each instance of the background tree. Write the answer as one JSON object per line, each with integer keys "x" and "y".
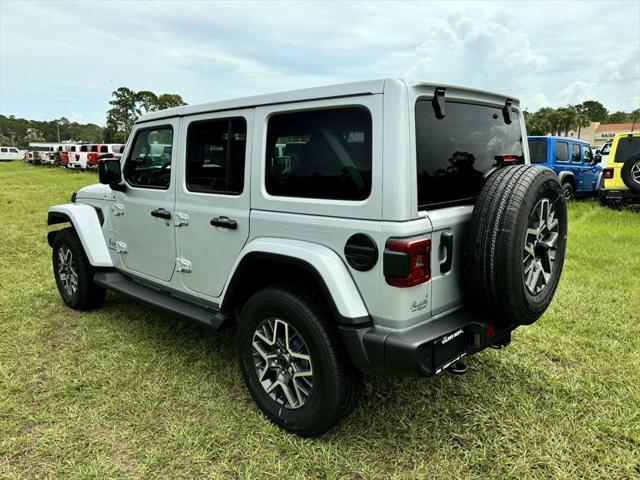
{"x": 127, "y": 105}
{"x": 594, "y": 110}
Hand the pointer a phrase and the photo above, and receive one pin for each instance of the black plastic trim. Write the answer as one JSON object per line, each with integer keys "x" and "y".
{"x": 361, "y": 252}
{"x": 238, "y": 280}
{"x": 413, "y": 351}
{"x": 438, "y": 103}
{"x": 164, "y": 300}
{"x": 395, "y": 264}
{"x": 446, "y": 240}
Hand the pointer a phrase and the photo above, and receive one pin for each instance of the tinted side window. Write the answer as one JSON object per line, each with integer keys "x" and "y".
{"x": 575, "y": 153}
{"x": 149, "y": 164}
{"x": 538, "y": 150}
{"x": 13, "y": 150}
{"x": 4, "y": 150}
{"x": 216, "y": 156}
{"x": 562, "y": 152}
{"x": 320, "y": 154}
{"x": 104, "y": 149}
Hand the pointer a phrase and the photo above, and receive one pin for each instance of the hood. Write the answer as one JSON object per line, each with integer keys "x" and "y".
{"x": 97, "y": 192}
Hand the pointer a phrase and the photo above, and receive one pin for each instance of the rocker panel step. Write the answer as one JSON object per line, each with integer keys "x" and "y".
{"x": 164, "y": 300}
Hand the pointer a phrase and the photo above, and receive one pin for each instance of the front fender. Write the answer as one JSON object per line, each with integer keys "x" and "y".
{"x": 323, "y": 260}
{"x": 85, "y": 221}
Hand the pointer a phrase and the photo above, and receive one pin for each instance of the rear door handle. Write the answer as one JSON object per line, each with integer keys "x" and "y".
{"x": 161, "y": 213}
{"x": 446, "y": 240}
{"x": 224, "y": 222}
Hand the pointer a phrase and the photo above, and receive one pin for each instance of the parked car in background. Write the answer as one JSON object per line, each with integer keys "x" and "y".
{"x": 10, "y": 153}
{"x": 78, "y": 159}
{"x": 622, "y": 174}
{"x": 38, "y": 153}
{"x": 111, "y": 150}
{"x": 572, "y": 160}
{"x": 604, "y": 151}
{"x": 93, "y": 156}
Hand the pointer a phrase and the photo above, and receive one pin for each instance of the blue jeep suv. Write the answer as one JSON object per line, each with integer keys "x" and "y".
{"x": 572, "y": 160}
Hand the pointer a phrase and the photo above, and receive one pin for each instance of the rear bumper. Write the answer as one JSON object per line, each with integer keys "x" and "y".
{"x": 625, "y": 195}
{"x": 426, "y": 349}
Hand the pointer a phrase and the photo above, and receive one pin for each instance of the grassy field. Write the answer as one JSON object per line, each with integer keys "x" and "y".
{"x": 128, "y": 392}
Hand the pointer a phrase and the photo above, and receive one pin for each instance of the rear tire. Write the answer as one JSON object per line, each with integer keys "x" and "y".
{"x": 74, "y": 273}
{"x": 330, "y": 385}
{"x": 631, "y": 173}
{"x": 568, "y": 191}
{"x": 517, "y": 242}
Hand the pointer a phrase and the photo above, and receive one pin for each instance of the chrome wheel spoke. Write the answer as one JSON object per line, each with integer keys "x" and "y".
{"x": 540, "y": 246}
{"x": 282, "y": 363}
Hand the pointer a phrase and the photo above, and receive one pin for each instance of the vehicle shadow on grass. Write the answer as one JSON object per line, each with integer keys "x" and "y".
{"x": 401, "y": 411}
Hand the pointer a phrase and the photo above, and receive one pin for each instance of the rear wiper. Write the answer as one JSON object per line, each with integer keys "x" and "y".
{"x": 506, "y": 111}
{"x": 438, "y": 103}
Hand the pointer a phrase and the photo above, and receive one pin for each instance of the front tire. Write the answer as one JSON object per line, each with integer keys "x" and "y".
{"x": 294, "y": 364}
{"x": 74, "y": 273}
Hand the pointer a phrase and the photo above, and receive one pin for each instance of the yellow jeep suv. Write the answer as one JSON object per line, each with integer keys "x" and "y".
{"x": 622, "y": 175}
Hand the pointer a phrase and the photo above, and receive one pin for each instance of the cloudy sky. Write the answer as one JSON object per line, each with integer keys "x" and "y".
{"x": 65, "y": 58}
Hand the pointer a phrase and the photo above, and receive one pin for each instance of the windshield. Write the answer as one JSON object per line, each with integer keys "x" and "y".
{"x": 454, "y": 153}
{"x": 538, "y": 150}
{"x": 627, "y": 146}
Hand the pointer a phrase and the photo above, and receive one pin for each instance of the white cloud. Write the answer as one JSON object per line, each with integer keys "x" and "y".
{"x": 76, "y": 53}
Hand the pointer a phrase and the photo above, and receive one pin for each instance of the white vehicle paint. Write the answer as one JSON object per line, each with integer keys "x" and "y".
{"x": 10, "y": 153}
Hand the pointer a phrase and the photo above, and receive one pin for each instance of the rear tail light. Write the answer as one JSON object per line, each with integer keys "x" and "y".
{"x": 607, "y": 173}
{"x": 407, "y": 262}
{"x": 509, "y": 159}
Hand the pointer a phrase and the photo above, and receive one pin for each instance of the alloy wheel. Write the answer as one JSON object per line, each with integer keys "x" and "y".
{"x": 635, "y": 172}
{"x": 282, "y": 363}
{"x": 67, "y": 270}
{"x": 540, "y": 247}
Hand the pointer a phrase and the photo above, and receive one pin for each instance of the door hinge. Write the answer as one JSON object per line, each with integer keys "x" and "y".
{"x": 181, "y": 219}
{"x": 121, "y": 247}
{"x": 117, "y": 209}
{"x": 183, "y": 265}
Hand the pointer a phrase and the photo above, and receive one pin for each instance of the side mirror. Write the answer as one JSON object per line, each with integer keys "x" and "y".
{"x": 109, "y": 173}
{"x": 598, "y": 152}
{"x": 597, "y": 158}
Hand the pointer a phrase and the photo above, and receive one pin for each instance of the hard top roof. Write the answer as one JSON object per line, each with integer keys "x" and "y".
{"x": 370, "y": 87}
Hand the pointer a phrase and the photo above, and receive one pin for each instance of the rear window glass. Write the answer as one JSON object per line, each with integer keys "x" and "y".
{"x": 627, "y": 146}
{"x": 538, "y": 150}
{"x": 320, "y": 154}
{"x": 93, "y": 148}
{"x": 562, "y": 152}
{"x": 104, "y": 149}
{"x": 83, "y": 148}
{"x": 455, "y": 152}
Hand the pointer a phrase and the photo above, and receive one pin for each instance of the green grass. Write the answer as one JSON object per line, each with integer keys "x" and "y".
{"x": 126, "y": 391}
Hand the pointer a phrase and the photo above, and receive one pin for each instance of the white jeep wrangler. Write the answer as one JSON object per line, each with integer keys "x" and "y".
{"x": 382, "y": 227}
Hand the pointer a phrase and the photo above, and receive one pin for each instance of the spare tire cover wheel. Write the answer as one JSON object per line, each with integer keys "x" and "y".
{"x": 631, "y": 172}
{"x": 520, "y": 254}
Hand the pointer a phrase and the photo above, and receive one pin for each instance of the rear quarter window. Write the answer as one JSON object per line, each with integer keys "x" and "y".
{"x": 562, "y": 152}
{"x": 324, "y": 154}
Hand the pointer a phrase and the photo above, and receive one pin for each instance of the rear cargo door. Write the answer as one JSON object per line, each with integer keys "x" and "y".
{"x": 455, "y": 150}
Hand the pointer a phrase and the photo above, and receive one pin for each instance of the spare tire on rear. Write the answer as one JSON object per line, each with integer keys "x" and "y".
{"x": 631, "y": 172}
{"x": 516, "y": 245}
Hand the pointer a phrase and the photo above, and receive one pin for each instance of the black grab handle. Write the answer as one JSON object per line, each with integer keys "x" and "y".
{"x": 446, "y": 240}
{"x": 224, "y": 222}
{"x": 161, "y": 213}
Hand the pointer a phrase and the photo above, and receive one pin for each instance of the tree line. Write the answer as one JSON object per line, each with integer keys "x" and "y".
{"x": 560, "y": 121}
{"x": 126, "y": 106}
